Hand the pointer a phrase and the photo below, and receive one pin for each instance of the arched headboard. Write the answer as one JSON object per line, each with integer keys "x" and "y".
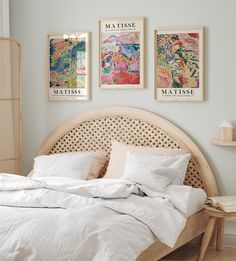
{"x": 94, "y": 130}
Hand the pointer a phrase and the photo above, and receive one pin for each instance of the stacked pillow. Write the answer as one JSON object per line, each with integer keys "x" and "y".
{"x": 153, "y": 167}
{"x": 77, "y": 165}
{"x": 155, "y": 172}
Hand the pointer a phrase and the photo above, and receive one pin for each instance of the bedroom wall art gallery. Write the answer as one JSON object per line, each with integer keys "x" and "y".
{"x": 178, "y": 60}
{"x": 173, "y": 61}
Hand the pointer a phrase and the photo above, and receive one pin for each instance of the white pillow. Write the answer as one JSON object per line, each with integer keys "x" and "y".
{"x": 155, "y": 172}
{"x": 119, "y": 150}
{"x": 77, "y": 165}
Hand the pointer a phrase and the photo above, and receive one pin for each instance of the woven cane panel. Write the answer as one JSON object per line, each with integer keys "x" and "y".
{"x": 98, "y": 134}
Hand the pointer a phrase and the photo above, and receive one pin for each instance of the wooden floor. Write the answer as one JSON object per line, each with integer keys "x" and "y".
{"x": 190, "y": 253}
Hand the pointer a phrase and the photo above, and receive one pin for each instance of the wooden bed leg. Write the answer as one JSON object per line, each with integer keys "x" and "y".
{"x": 206, "y": 237}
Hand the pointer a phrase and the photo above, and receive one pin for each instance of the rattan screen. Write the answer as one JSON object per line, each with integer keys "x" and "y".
{"x": 10, "y": 109}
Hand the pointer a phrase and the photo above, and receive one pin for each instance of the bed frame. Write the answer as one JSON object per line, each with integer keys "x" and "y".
{"x": 94, "y": 130}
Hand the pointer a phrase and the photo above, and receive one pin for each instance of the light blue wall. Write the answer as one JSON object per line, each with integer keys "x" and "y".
{"x": 30, "y": 20}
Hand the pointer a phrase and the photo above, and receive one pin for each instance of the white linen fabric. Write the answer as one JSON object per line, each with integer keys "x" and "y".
{"x": 155, "y": 172}
{"x": 69, "y": 219}
{"x": 119, "y": 151}
{"x": 80, "y": 165}
{"x": 196, "y": 201}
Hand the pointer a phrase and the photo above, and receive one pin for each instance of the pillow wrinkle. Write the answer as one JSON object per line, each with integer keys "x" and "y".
{"x": 77, "y": 165}
{"x": 119, "y": 151}
{"x": 155, "y": 172}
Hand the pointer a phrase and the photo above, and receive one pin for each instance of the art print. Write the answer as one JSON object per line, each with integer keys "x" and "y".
{"x": 121, "y": 53}
{"x": 68, "y": 62}
{"x": 179, "y": 64}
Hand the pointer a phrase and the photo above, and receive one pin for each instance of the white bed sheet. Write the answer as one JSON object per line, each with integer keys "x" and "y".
{"x": 196, "y": 201}
{"x": 82, "y": 227}
{"x": 70, "y": 234}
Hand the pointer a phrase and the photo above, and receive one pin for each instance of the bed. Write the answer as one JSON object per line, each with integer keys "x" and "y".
{"x": 96, "y": 129}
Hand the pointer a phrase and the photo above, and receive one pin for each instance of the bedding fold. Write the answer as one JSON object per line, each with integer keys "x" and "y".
{"x": 149, "y": 213}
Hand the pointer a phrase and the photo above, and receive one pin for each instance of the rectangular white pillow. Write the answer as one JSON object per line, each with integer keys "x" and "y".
{"x": 77, "y": 165}
{"x": 119, "y": 150}
{"x": 155, "y": 172}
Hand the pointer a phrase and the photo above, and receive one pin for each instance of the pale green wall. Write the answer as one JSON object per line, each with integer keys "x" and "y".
{"x": 31, "y": 19}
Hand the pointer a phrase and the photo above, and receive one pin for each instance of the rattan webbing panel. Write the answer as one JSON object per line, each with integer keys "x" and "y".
{"x": 98, "y": 133}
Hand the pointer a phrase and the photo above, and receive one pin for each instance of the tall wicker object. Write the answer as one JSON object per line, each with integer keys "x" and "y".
{"x": 10, "y": 108}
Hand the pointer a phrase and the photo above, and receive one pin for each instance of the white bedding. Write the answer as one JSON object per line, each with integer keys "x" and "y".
{"x": 66, "y": 219}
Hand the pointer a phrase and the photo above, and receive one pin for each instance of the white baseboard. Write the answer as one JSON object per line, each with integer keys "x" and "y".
{"x": 229, "y": 240}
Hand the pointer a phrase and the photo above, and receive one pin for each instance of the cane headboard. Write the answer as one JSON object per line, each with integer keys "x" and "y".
{"x": 94, "y": 130}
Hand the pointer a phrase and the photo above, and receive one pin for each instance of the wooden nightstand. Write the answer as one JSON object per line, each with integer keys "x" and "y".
{"x": 216, "y": 217}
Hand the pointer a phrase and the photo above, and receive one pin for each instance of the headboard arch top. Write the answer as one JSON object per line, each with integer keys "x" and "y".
{"x": 96, "y": 129}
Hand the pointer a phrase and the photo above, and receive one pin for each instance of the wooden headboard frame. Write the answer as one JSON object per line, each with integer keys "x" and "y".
{"x": 95, "y": 129}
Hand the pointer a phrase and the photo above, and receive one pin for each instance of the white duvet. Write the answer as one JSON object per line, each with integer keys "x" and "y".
{"x": 100, "y": 220}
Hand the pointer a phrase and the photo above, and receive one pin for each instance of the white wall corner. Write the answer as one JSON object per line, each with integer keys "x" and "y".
{"x": 4, "y": 18}
{"x": 230, "y": 232}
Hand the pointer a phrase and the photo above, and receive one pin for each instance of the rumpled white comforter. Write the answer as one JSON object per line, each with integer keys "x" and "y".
{"x": 64, "y": 219}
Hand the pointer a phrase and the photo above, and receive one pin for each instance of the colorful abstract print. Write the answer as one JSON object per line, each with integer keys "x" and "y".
{"x": 177, "y": 60}
{"x": 67, "y": 63}
{"x": 120, "y": 58}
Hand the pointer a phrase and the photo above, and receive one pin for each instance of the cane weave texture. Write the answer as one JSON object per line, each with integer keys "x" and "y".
{"x": 98, "y": 133}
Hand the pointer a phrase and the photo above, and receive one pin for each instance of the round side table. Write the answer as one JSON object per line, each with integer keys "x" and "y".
{"x": 216, "y": 217}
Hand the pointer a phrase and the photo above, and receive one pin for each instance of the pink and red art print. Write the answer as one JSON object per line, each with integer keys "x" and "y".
{"x": 179, "y": 64}
{"x": 121, "y": 53}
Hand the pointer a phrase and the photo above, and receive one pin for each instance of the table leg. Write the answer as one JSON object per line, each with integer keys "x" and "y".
{"x": 212, "y": 242}
{"x": 206, "y": 237}
{"x": 220, "y": 234}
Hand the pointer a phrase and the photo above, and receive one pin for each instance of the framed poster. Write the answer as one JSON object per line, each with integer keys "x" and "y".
{"x": 179, "y": 64}
{"x": 121, "y": 53}
{"x": 68, "y": 66}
